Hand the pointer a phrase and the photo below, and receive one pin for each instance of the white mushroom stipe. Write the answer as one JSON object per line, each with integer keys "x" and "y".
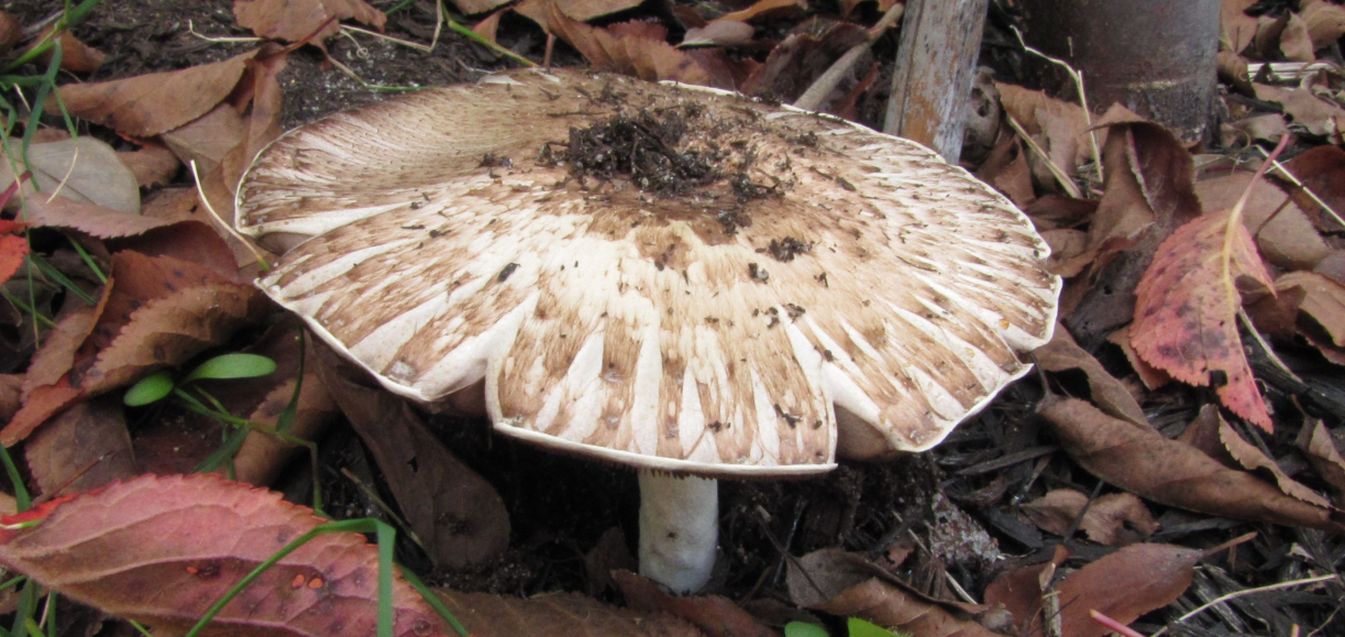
{"x": 679, "y": 529}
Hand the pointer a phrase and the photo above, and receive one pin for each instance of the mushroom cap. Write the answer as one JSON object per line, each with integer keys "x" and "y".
{"x": 664, "y": 276}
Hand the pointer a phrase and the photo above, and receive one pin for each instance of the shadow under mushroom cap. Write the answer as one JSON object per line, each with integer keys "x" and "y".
{"x": 668, "y": 277}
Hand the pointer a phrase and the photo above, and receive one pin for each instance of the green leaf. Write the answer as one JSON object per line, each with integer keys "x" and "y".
{"x": 152, "y": 388}
{"x": 228, "y": 366}
{"x": 861, "y": 628}
{"x": 804, "y": 629}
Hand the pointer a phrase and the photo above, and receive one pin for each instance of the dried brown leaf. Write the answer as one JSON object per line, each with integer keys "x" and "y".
{"x": 1021, "y": 590}
{"x": 558, "y": 614}
{"x": 85, "y": 447}
{"x": 1320, "y": 447}
{"x": 539, "y": 11}
{"x": 1283, "y": 232}
{"x": 1318, "y": 115}
{"x": 42, "y": 403}
{"x": 1323, "y": 301}
{"x": 208, "y": 138}
{"x": 93, "y": 220}
{"x": 153, "y": 164}
{"x": 1186, "y": 310}
{"x": 1124, "y": 585}
{"x": 1251, "y": 458}
{"x": 627, "y": 53}
{"x": 1236, "y": 28}
{"x": 1325, "y": 22}
{"x": 56, "y": 356}
{"x": 76, "y": 56}
{"x": 1111, "y": 519}
{"x": 1140, "y": 460}
{"x": 458, "y": 516}
{"x": 295, "y": 20}
{"x": 762, "y": 9}
{"x": 84, "y": 169}
{"x": 1061, "y": 127}
{"x": 714, "y": 615}
{"x": 147, "y": 105}
{"x": 1062, "y": 354}
{"x": 719, "y": 32}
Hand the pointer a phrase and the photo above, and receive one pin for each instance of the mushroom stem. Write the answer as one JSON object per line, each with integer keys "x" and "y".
{"x": 679, "y": 529}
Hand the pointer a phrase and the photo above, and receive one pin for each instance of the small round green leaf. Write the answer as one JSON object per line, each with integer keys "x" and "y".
{"x": 860, "y": 628}
{"x": 804, "y": 629}
{"x": 229, "y": 366}
{"x": 150, "y": 389}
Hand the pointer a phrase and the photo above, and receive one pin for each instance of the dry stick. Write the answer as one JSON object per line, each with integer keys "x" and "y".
{"x": 812, "y": 98}
{"x": 1063, "y": 179}
{"x": 1243, "y": 593}
{"x": 1077, "y": 78}
{"x": 1280, "y": 168}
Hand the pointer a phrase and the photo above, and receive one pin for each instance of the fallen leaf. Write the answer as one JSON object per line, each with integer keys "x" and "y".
{"x": 1322, "y": 171}
{"x": 304, "y": 20}
{"x": 1021, "y": 590}
{"x": 1063, "y": 354}
{"x": 1283, "y": 232}
{"x": 1251, "y": 458}
{"x": 833, "y": 581}
{"x": 1236, "y": 28}
{"x": 1060, "y": 127}
{"x": 539, "y": 11}
{"x": 1140, "y": 460}
{"x": 41, "y": 404}
{"x": 1124, "y": 585}
{"x": 1320, "y": 447}
{"x": 458, "y": 516}
{"x": 160, "y": 550}
{"x": 84, "y": 169}
{"x": 714, "y": 615}
{"x": 629, "y": 54}
{"x": 147, "y": 105}
{"x": 56, "y": 355}
{"x": 76, "y": 56}
{"x": 85, "y": 447}
{"x": 762, "y": 9}
{"x": 1006, "y": 169}
{"x": 206, "y": 139}
{"x": 807, "y": 52}
{"x": 1325, "y": 22}
{"x": 152, "y": 164}
{"x": 557, "y": 614}
{"x": 91, "y": 219}
{"x": 1111, "y": 519}
{"x": 1148, "y": 192}
{"x": 1186, "y": 310}
{"x": 1315, "y": 114}
{"x": 13, "y": 249}
{"x": 1323, "y": 302}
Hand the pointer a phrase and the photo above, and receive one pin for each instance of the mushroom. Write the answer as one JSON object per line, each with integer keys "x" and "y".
{"x": 675, "y": 278}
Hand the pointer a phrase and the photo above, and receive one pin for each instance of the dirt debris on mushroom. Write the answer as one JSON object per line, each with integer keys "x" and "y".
{"x": 669, "y": 277}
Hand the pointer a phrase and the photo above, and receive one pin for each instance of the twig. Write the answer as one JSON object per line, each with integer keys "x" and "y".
{"x": 1243, "y": 593}
{"x": 191, "y": 28}
{"x": 1059, "y": 173}
{"x": 1279, "y": 168}
{"x": 812, "y": 98}
{"x": 1077, "y": 78}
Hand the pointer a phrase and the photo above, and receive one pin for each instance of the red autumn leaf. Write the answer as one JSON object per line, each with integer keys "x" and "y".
{"x": 146, "y": 105}
{"x": 13, "y": 248}
{"x": 161, "y": 550}
{"x": 1186, "y": 309}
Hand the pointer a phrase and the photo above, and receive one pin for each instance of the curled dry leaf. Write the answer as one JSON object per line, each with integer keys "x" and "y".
{"x": 1063, "y": 354}
{"x": 1318, "y": 444}
{"x": 1323, "y": 302}
{"x": 1186, "y": 310}
{"x": 1316, "y": 114}
{"x": 1236, "y": 28}
{"x": 295, "y": 20}
{"x": 714, "y": 615}
{"x": 1060, "y": 127}
{"x": 719, "y": 33}
{"x": 558, "y": 614}
{"x": 1113, "y": 518}
{"x": 76, "y": 56}
{"x": 459, "y": 517}
{"x": 1140, "y": 460}
{"x": 85, "y": 447}
{"x": 84, "y": 169}
{"x": 1251, "y": 458}
{"x": 539, "y": 11}
{"x": 1325, "y": 22}
{"x": 147, "y": 105}
{"x": 160, "y": 550}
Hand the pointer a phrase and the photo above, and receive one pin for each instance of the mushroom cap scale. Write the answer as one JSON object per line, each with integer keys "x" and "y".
{"x": 672, "y": 278}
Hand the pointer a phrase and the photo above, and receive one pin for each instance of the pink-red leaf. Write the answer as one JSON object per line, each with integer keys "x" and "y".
{"x": 1186, "y": 310}
{"x": 161, "y": 550}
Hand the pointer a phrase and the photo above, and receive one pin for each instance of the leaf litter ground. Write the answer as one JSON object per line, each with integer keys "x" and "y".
{"x": 955, "y": 511}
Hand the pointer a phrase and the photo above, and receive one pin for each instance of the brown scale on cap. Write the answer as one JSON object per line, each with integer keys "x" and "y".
{"x": 610, "y": 305}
